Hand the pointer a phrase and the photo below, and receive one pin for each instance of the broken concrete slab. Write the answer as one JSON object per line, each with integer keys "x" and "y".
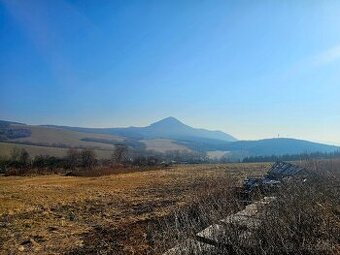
{"x": 239, "y": 220}
{"x": 191, "y": 247}
{"x": 240, "y": 225}
{"x": 214, "y": 234}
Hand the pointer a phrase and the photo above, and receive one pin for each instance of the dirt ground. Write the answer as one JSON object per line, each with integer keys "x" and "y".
{"x": 55, "y": 214}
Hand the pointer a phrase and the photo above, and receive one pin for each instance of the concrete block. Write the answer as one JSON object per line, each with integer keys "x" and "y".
{"x": 191, "y": 247}
{"x": 214, "y": 234}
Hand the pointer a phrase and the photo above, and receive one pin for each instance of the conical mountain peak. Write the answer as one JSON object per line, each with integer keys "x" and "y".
{"x": 169, "y": 122}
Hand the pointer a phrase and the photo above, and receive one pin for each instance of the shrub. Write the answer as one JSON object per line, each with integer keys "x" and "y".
{"x": 88, "y": 158}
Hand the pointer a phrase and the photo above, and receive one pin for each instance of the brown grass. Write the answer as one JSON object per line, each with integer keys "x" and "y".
{"x": 76, "y": 215}
{"x": 304, "y": 218}
{"x": 50, "y": 135}
{"x": 148, "y": 212}
{"x": 34, "y": 150}
{"x": 163, "y": 145}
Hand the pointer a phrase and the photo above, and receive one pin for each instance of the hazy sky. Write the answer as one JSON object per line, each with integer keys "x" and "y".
{"x": 254, "y": 69}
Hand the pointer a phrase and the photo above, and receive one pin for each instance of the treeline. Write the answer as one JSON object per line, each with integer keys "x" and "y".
{"x": 292, "y": 157}
{"x": 7, "y": 133}
{"x": 20, "y": 162}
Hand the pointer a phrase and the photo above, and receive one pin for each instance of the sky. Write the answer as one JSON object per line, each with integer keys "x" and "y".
{"x": 254, "y": 69}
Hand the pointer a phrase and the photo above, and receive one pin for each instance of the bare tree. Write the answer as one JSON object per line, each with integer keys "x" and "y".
{"x": 88, "y": 158}
{"x": 73, "y": 158}
{"x": 24, "y": 157}
{"x": 120, "y": 153}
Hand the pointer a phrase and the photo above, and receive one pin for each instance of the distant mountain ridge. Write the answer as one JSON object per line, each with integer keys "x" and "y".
{"x": 263, "y": 147}
{"x": 168, "y": 128}
{"x": 280, "y": 146}
{"x": 164, "y": 135}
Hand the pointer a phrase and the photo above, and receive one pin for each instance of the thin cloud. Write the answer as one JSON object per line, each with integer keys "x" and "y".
{"x": 326, "y": 57}
{"x": 313, "y": 62}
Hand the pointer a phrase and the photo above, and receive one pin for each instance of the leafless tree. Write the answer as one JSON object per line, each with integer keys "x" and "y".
{"x": 24, "y": 157}
{"x": 73, "y": 158}
{"x": 88, "y": 158}
{"x": 120, "y": 153}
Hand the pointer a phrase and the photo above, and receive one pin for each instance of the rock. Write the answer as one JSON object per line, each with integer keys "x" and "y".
{"x": 21, "y": 248}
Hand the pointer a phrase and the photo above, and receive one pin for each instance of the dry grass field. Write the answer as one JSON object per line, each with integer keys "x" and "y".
{"x": 34, "y": 150}
{"x": 49, "y": 136}
{"x": 75, "y": 215}
{"x": 163, "y": 145}
{"x": 50, "y": 139}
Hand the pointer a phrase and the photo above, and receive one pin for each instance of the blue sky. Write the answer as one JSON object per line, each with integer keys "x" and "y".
{"x": 254, "y": 69}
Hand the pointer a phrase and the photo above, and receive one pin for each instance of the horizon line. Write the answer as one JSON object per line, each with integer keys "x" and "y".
{"x": 237, "y": 140}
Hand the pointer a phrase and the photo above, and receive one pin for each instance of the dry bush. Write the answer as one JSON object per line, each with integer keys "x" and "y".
{"x": 215, "y": 202}
{"x": 33, "y": 171}
{"x": 304, "y": 219}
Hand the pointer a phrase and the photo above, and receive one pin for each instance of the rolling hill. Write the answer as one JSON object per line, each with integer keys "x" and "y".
{"x": 168, "y": 128}
{"x": 165, "y": 135}
{"x": 279, "y": 146}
